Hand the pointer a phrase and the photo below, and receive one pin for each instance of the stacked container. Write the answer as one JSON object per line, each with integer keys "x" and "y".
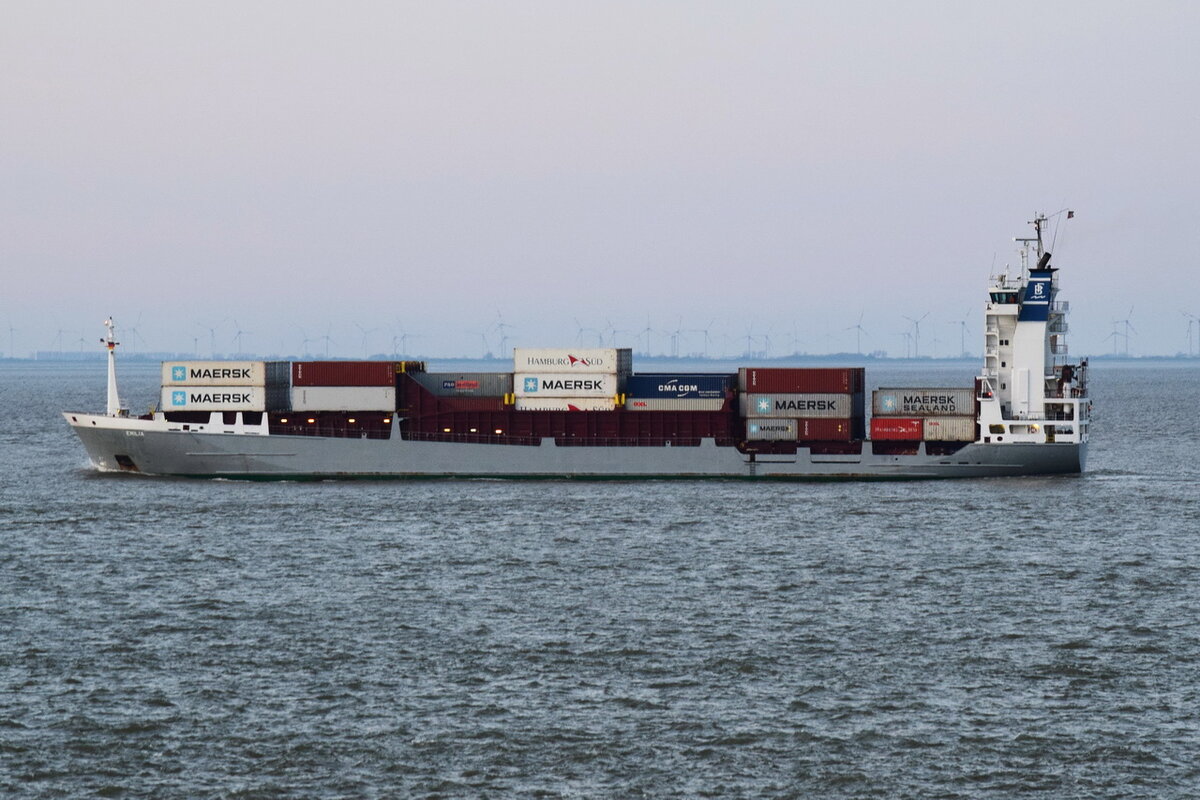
{"x": 224, "y": 386}
{"x": 552, "y": 379}
{"x": 466, "y": 384}
{"x": 823, "y": 404}
{"x": 935, "y": 414}
{"x": 343, "y": 386}
{"x": 677, "y": 392}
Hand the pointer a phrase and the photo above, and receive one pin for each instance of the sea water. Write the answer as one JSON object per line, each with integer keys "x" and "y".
{"x": 1033, "y": 637}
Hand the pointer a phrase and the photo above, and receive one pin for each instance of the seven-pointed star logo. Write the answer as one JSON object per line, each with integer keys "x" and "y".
{"x": 764, "y": 404}
{"x": 531, "y": 384}
{"x": 178, "y": 373}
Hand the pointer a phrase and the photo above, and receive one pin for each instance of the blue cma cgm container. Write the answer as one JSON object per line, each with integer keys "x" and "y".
{"x": 692, "y": 387}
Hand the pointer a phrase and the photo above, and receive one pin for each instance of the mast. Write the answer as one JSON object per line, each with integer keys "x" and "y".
{"x": 110, "y": 341}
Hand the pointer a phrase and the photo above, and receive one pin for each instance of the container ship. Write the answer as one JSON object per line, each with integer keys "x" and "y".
{"x": 586, "y": 413}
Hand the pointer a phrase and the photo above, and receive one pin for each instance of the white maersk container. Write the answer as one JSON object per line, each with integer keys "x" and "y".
{"x": 564, "y": 385}
{"x": 812, "y": 406}
{"x": 949, "y": 429}
{"x": 213, "y": 373}
{"x": 565, "y": 404}
{"x": 769, "y": 430}
{"x": 213, "y": 398}
{"x": 594, "y": 360}
{"x": 343, "y": 398}
{"x": 923, "y": 402}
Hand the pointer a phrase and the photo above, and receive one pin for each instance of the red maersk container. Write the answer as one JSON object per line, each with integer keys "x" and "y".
{"x": 823, "y": 430}
{"x": 790, "y": 380}
{"x": 343, "y": 373}
{"x": 896, "y": 429}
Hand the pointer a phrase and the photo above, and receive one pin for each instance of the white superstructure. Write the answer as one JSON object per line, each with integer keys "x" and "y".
{"x": 1030, "y": 390}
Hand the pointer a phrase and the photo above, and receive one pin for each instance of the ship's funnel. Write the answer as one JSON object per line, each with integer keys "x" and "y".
{"x": 1044, "y": 261}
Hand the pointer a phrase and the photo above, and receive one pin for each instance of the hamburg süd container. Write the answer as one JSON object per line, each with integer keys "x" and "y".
{"x": 801, "y": 380}
{"x": 213, "y": 373}
{"x": 923, "y": 402}
{"x": 896, "y": 429}
{"x": 598, "y": 360}
{"x": 465, "y": 384}
{"x": 679, "y": 386}
{"x": 565, "y": 385}
{"x": 213, "y": 398}
{"x": 565, "y": 404}
{"x": 343, "y": 398}
{"x": 828, "y": 406}
{"x": 344, "y": 373}
{"x": 950, "y": 429}
{"x": 674, "y": 404}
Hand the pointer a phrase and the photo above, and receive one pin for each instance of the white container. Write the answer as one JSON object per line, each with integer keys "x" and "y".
{"x": 949, "y": 429}
{"x": 545, "y": 384}
{"x": 213, "y": 373}
{"x": 596, "y": 360}
{"x": 813, "y": 406}
{"x": 923, "y": 402}
{"x": 771, "y": 430}
{"x": 213, "y": 398}
{"x": 565, "y": 404}
{"x": 343, "y": 398}
{"x": 674, "y": 403}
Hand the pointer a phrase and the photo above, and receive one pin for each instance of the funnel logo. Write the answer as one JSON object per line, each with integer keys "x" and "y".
{"x": 1039, "y": 290}
{"x": 531, "y": 384}
{"x": 179, "y": 398}
{"x": 178, "y": 373}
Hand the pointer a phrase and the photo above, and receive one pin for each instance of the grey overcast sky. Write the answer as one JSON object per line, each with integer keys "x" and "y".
{"x": 362, "y": 170}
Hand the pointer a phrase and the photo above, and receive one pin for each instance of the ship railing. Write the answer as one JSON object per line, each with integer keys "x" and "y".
{"x": 1058, "y": 326}
{"x": 1060, "y": 305}
{"x": 1058, "y": 348}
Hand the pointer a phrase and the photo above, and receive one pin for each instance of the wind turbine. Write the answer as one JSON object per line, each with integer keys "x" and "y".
{"x": 1128, "y": 327}
{"x": 962, "y": 337}
{"x": 907, "y": 342}
{"x": 1115, "y": 336}
{"x": 707, "y": 337}
{"x": 365, "y": 333}
{"x": 675, "y": 337}
{"x": 582, "y": 330}
{"x": 916, "y": 323}
{"x": 212, "y": 337}
{"x": 484, "y": 352}
{"x": 237, "y": 337}
{"x": 326, "y": 338}
{"x": 646, "y": 331}
{"x": 858, "y": 332}
{"x": 12, "y": 339}
{"x": 402, "y": 341}
{"x": 305, "y": 341}
{"x": 132, "y": 331}
{"x": 1192, "y": 320}
{"x": 502, "y": 326}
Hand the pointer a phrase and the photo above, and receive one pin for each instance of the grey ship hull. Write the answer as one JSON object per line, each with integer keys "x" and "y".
{"x": 181, "y": 453}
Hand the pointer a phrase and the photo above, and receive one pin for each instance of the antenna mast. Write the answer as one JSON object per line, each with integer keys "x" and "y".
{"x": 110, "y": 341}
